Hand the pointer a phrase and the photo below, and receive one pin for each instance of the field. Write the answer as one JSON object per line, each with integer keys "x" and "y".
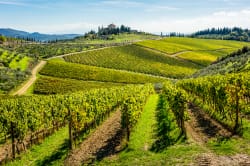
{"x": 61, "y": 69}
{"x": 53, "y": 85}
{"x": 174, "y": 45}
{"x": 117, "y": 106}
{"x": 136, "y": 59}
{"x": 200, "y": 51}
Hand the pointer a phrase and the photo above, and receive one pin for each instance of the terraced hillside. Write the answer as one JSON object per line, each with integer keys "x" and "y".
{"x": 136, "y": 59}
{"x": 67, "y": 77}
{"x": 233, "y": 63}
{"x": 201, "y": 51}
{"x": 188, "y": 123}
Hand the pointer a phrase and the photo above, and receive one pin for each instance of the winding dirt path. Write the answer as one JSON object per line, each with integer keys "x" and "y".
{"x": 105, "y": 141}
{"x": 31, "y": 80}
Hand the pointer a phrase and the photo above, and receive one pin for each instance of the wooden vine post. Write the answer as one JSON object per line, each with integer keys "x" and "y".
{"x": 13, "y": 141}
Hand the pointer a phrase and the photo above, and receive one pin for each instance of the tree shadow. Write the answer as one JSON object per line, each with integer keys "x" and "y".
{"x": 57, "y": 154}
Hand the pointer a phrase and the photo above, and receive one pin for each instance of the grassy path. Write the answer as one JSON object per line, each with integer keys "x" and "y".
{"x": 52, "y": 151}
{"x": 143, "y": 136}
{"x": 141, "y": 140}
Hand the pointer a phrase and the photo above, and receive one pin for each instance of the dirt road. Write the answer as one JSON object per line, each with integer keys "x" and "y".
{"x": 31, "y": 80}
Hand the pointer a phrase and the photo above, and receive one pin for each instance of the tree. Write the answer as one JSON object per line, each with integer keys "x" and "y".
{"x": 2, "y": 39}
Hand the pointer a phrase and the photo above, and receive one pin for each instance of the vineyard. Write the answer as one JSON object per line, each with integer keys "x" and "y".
{"x": 174, "y": 45}
{"x": 61, "y": 69}
{"x": 54, "y": 85}
{"x": 24, "y": 118}
{"x": 136, "y": 59}
{"x": 225, "y": 98}
{"x": 199, "y": 51}
{"x": 148, "y": 103}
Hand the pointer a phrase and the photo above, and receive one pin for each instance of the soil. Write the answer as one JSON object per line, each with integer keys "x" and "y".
{"x": 200, "y": 129}
{"x": 104, "y": 142}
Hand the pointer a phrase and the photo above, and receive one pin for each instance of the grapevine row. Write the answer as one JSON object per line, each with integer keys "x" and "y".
{"x": 23, "y": 116}
{"x": 227, "y": 97}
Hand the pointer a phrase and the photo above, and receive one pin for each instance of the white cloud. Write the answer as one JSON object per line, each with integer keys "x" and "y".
{"x": 156, "y": 8}
{"x": 79, "y": 27}
{"x": 218, "y": 19}
{"x": 15, "y": 3}
{"x": 118, "y": 3}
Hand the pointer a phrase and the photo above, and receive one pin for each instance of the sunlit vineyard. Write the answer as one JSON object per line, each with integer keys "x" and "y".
{"x": 174, "y": 45}
{"x": 54, "y": 85}
{"x": 25, "y": 117}
{"x": 137, "y": 59}
{"x": 226, "y": 97}
{"x": 59, "y": 68}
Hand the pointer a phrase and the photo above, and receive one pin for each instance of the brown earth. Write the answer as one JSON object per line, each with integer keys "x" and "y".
{"x": 200, "y": 129}
{"x": 103, "y": 142}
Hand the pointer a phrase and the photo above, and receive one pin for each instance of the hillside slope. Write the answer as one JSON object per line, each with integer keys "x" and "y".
{"x": 37, "y": 36}
{"x": 233, "y": 63}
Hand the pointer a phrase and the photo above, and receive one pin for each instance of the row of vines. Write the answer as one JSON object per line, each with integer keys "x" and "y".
{"x": 21, "y": 117}
{"x": 227, "y": 98}
{"x": 170, "y": 115}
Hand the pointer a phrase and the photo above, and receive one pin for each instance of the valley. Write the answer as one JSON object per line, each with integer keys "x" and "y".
{"x": 139, "y": 99}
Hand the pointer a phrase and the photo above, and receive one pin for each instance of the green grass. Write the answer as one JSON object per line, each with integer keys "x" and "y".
{"x": 137, "y": 59}
{"x": 52, "y": 151}
{"x": 201, "y": 57}
{"x": 53, "y": 85}
{"x": 143, "y": 135}
{"x": 174, "y": 45}
{"x": 21, "y": 64}
{"x": 142, "y": 138}
{"x": 233, "y": 145}
{"x": 61, "y": 69}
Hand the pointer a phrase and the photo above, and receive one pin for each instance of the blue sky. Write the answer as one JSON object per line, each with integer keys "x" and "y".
{"x": 79, "y": 16}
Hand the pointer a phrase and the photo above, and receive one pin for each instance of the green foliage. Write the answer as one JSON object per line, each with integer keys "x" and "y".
{"x": 132, "y": 106}
{"x": 10, "y": 78}
{"x": 203, "y": 58}
{"x": 227, "y": 97}
{"x": 59, "y": 68}
{"x": 14, "y": 69}
{"x": 165, "y": 126}
{"x": 120, "y": 38}
{"x": 230, "y": 64}
{"x": 174, "y": 45}
{"x": 83, "y": 110}
{"x": 2, "y": 39}
{"x": 224, "y": 34}
{"x": 52, "y": 151}
{"x": 53, "y": 85}
{"x": 21, "y": 63}
{"x": 137, "y": 59}
{"x": 50, "y": 49}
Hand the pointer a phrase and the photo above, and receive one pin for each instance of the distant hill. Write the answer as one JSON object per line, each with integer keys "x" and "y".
{"x": 225, "y": 33}
{"x": 35, "y": 36}
{"x": 235, "y": 62}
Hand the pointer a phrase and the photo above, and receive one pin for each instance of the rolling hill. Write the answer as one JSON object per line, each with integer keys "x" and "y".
{"x": 36, "y": 36}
